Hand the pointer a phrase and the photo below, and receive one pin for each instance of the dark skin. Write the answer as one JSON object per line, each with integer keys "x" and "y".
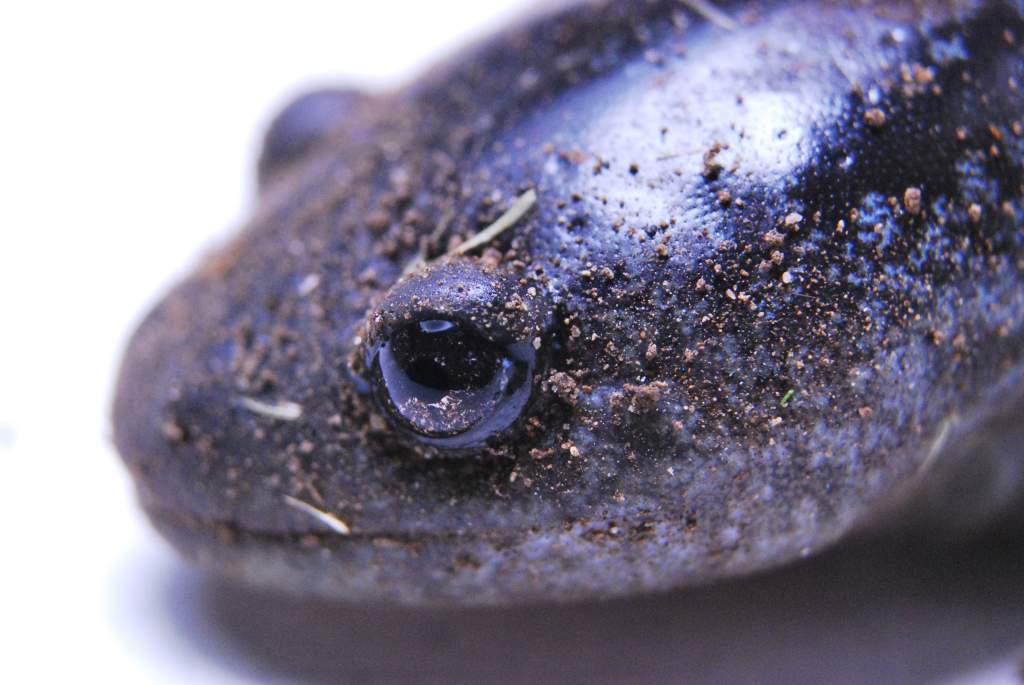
{"x": 763, "y": 280}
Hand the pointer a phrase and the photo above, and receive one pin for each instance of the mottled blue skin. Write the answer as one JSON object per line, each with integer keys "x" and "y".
{"x": 753, "y": 338}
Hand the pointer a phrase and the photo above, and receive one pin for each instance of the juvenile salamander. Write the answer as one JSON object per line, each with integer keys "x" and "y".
{"x": 629, "y": 296}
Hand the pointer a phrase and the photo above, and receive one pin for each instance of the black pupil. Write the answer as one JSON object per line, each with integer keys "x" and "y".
{"x": 449, "y": 384}
{"x": 439, "y": 355}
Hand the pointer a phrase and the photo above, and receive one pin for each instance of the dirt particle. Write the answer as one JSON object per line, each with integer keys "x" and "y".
{"x": 378, "y": 220}
{"x": 564, "y": 386}
{"x": 173, "y": 431}
{"x": 874, "y": 117}
{"x": 640, "y": 399}
{"x": 712, "y": 167}
{"x": 974, "y": 213}
{"x": 912, "y": 200}
{"x": 923, "y": 75}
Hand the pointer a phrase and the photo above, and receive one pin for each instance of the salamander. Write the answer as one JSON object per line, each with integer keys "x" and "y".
{"x": 632, "y": 295}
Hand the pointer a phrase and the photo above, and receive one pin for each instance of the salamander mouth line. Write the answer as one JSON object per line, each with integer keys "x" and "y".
{"x": 222, "y": 529}
{"x": 629, "y": 531}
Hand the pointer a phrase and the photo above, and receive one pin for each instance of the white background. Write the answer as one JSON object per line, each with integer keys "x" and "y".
{"x": 128, "y": 136}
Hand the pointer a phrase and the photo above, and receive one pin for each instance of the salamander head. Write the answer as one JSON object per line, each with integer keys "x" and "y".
{"x": 651, "y": 302}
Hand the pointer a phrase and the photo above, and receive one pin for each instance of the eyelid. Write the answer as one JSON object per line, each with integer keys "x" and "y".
{"x": 459, "y": 289}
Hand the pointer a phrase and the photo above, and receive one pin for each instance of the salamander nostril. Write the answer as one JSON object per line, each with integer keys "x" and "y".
{"x": 447, "y": 383}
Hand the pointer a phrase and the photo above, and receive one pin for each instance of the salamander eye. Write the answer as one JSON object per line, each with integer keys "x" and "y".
{"x": 302, "y": 125}
{"x": 453, "y": 353}
{"x": 447, "y": 383}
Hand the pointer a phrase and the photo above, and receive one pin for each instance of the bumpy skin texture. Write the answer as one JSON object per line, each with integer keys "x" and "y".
{"x": 783, "y": 265}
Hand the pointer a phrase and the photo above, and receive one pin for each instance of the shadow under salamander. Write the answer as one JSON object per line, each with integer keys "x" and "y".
{"x": 865, "y": 613}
